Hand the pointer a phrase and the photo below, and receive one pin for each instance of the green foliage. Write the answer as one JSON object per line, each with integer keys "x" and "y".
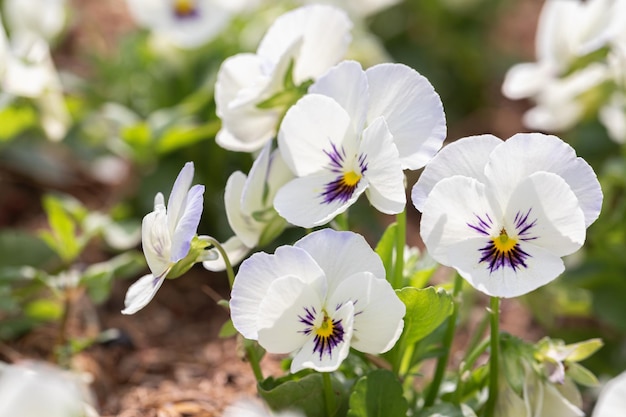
{"x": 378, "y": 394}
{"x": 62, "y": 237}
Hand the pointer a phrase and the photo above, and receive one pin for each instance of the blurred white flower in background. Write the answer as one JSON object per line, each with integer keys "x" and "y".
{"x": 612, "y": 399}
{"x": 46, "y": 18}
{"x": 37, "y": 389}
{"x": 251, "y": 408}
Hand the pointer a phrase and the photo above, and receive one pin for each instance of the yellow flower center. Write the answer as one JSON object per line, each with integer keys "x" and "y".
{"x": 327, "y": 327}
{"x": 351, "y": 178}
{"x": 504, "y": 243}
{"x": 184, "y": 7}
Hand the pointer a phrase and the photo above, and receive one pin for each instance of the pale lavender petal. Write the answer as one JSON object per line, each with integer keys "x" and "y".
{"x": 141, "y": 293}
{"x": 188, "y": 225}
{"x": 178, "y": 196}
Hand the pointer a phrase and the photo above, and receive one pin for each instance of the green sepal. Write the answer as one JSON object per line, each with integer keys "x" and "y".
{"x": 196, "y": 250}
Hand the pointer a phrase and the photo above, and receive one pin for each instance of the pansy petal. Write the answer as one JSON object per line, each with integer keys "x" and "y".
{"x": 141, "y": 292}
{"x": 310, "y": 129}
{"x": 252, "y": 194}
{"x": 347, "y": 84}
{"x": 156, "y": 241}
{"x": 301, "y": 201}
{"x": 547, "y": 206}
{"x": 282, "y": 311}
{"x": 244, "y": 226}
{"x": 341, "y": 254}
{"x": 527, "y": 79}
{"x": 458, "y": 208}
{"x": 279, "y": 174}
{"x": 412, "y": 109}
{"x": 466, "y": 156}
{"x": 542, "y": 266}
{"x": 525, "y": 153}
{"x": 235, "y": 249}
{"x": 325, "y": 34}
{"x": 309, "y": 357}
{"x": 178, "y": 196}
{"x": 612, "y": 398}
{"x": 378, "y": 312}
{"x": 384, "y": 171}
{"x": 187, "y": 225}
{"x": 255, "y": 277}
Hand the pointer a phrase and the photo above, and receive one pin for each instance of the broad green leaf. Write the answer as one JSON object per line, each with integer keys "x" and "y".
{"x": 306, "y": 394}
{"x": 180, "y": 136}
{"x": 378, "y": 394}
{"x": 18, "y": 248}
{"x": 227, "y": 330}
{"x": 62, "y": 236}
{"x": 426, "y": 309}
{"x": 98, "y": 278}
{"x": 14, "y": 120}
{"x": 138, "y": 135}
{"x": 385, "y": 248}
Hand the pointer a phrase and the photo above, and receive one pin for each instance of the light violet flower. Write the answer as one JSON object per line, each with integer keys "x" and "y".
{"x": 503, "y": 214}
{"x": 35, "y": 389}
{"x": 317, "y": 299}
{"x": 612, "y": 398}
{"x": 166, "y": 236}
{"x": 300, "y": 46}
{"x": 355, "y": 132}
{"x": 184, "y": 23}
{"x": 249, "y": 207}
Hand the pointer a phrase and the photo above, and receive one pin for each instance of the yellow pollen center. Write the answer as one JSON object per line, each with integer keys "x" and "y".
{"x": 326, "y": 328}
{"x": 351, "y": 178}
{"x": 184, "y": 7}
{"x": 504, "y": 243}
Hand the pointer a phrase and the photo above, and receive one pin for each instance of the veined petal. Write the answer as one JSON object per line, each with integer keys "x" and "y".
{"x": 551, "y": 212}
{"x": 327, "y": 357}
{"x": 301, "y": 201}
{"x": 288, "y": 313}
{"x": 457, "y": 209}
{"x": 378, "y": 311}
{"x": 314, "y": 124}
{"x": 412, "y": 109}
{"x": 341, "y": 255}
{"x": 235, "y": 249}
{"x": 466, "y": 156}
{"x": 156, "y": 241}
{"x": 525, "y": 153}
{"x": 141, "y": 293}
{"x": 279, "y": 174}
{"x": 347, "y": 84}
{"x": 178, "y": 197}
{"x": 243, "y": 224}
{"x": 324, "y": 30}
{"x": 384, "y": 169}
{"x": 187, "y": 225}
{"x": 541, "y": 267}
{"x": 254, "y": 278}
{"x": 251, "y": 194}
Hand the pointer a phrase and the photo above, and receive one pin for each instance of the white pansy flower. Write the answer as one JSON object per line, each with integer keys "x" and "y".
{"x": 35, "y": 389}
{"x": 250, "y": 408}
{"x": 46, "y": 18}
{"x": 355, "y": 132}
{"x": 317, "y": 299}
{"x": 612, "y": 398}
{"x": 503, "y": 214}
{"x": 184, "y": 23}
{"x": 300, "y": 46}
{"x": 249, "y": 207}
{"x": 166, "y": 236}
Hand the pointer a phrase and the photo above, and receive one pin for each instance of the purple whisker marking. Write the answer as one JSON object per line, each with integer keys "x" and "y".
{"x": 483, "y": 226}
{"x": 308, "y": 319}
{"x": 336, "y": 157}
{"x": 514, "y": 258}
{"x": 326, "y": 344}
{"x": 523, "y": 226}
{"x": 341, "y": 189}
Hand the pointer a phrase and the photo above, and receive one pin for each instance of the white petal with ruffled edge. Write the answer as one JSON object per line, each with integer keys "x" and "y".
{"x": 254, "y": 278}
{"x": 412, "y": 109}
{"x": 245, "y": 227}
{"x": 141, "y": 292}
{"x": 466, "y": 156}
{"x": 178, "y": 196}
{"x": 378, "y": 311}
{"x": 187, "y": 224}
{"x": 525, "y": 153}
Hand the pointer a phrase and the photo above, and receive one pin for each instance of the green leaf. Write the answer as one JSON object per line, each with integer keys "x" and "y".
{"x": 582, "y": 350}
{"x": 227, "y": 330}
{"x": 305, "y": 394}
{"x": 385, "y": 248}
{"x": 14, "y": 120}
{"x": 18, "y": 248}
{"x": 62, "y": 236}
{"x": 378, "y": 394}
{"x": 181, "y": 136}
{"x": 98, "y": 278}
{"x": 44, "y": 310}
{"x": 426, "y": 309}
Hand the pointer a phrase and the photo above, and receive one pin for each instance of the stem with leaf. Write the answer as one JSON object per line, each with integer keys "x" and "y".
{"x": 398, "y": 272}
{"x": 329, "y": 394}
{"x": 494, "y": 357}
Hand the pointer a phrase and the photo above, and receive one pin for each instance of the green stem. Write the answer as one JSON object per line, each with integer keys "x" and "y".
{"x": 442, "y": 362}
{"x": 493, "y": 358}
{"x": 254, "y": 360}
{"x": 229, "y": 268}
{"x": 398, "y": 273}
{"x": 471, "y": 358}
{"x": 329, "y": 394}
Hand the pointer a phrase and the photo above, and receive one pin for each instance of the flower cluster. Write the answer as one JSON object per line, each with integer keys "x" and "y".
{"x": 581, "y": 52}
